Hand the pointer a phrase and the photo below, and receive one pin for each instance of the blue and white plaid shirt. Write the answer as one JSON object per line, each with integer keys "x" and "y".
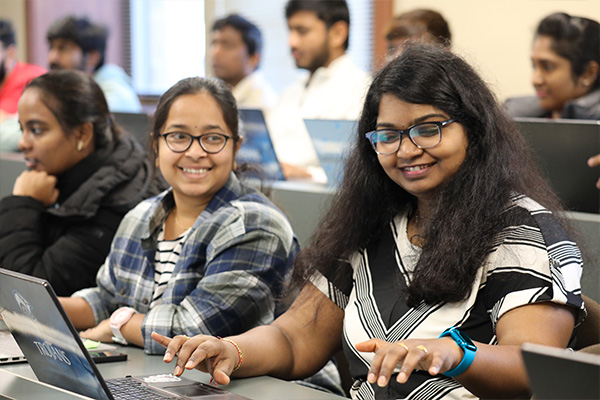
{"x": 235, "y": 263}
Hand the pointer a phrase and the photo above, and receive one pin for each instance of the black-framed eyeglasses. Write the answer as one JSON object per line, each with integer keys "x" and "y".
{"x": 211, "y": 143}
{"x": 424, "y": 135}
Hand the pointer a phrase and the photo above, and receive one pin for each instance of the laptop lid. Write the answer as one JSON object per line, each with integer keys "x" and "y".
{"x": 561, "y": 374}
{"x": 136, "y": 124}
{"x": 257, "y": 147}
{"x": 33, "y": 313}
{"x": 331, "y": 140}
{"x": 563, "y": 148}
{"x": 44, "y": 333}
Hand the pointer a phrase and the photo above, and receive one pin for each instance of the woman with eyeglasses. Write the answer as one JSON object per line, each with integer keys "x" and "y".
{"x": 210, "y": 255}
{"x": 83, "y": 175}
{"x": 440, "y": 254}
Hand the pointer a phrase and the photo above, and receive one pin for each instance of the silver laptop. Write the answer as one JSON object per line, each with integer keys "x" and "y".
{"x": 556, "y": 373}
{"x": 331, "y": 140}
{"x": 57, "y": 356}
{"x": 10, "y": 352}
{"x": 563, "y": 148}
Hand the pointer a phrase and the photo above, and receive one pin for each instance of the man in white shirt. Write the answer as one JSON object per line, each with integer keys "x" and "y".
{"x": 235, "y": 52}
{"x": 334, "y": 87}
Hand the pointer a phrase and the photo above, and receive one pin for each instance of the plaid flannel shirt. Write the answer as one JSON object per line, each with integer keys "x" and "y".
{"x": 234, "y": 264}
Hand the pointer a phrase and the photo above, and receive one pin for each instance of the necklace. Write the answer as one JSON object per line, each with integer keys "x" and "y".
{"x": 184, "y": 228}
{"x": 417, "y": 239}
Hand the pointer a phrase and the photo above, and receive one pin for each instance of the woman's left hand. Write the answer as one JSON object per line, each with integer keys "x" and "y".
{"x": 432, "y": 355}
{"x": 100, "y": 333}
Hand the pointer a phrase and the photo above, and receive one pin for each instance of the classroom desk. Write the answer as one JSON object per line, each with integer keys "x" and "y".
{"x": 17, "y": 381}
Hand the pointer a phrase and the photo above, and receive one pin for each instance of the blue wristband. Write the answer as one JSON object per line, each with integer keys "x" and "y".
{"x": 465, "y": 343}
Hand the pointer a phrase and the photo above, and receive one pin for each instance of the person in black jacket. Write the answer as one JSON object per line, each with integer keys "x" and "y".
{"x": 83, "y": 174}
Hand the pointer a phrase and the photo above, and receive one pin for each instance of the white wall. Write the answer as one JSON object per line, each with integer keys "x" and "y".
{"x": 495, "y": 36}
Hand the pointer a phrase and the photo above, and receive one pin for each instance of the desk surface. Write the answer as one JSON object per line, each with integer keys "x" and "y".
{"x": 19, "y": 382}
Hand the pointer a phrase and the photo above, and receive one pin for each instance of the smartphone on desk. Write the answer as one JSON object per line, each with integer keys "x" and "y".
{"x": 107, "y": 356}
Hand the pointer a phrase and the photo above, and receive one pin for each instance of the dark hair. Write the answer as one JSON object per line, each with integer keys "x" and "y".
{"x": 86, "y": 35}
{"x": 215, "y": 87}
{"x": 469, "y": 208}
{"x": 575, "y": 38}
{"x": 7, "y": 33}
{"x": 74, "y": 98}
{"x": 418, "y": 22}
{"x": 328, "y": 11}
{"x": 250, "y": 33}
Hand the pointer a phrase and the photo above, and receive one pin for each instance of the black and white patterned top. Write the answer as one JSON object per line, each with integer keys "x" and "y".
{"x": 532, "y": 261}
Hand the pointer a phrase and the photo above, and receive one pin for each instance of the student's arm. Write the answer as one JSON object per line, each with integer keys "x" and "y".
{"x": 79, "y": 312}
{"x": 595, "y": 162}
{"x": 497, "y": 371}
{"x": 68, "y": 255}
{"x": 294, "y": 346}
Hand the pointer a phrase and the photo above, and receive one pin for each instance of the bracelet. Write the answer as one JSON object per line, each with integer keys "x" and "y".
{"x": 240, "y": 354}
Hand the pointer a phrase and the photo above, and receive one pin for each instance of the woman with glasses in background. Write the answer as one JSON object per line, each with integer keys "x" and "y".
{"x": 440, "y": 254}
{"x": 210, "y": 255}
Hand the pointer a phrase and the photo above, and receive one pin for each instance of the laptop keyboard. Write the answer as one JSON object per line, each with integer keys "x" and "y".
{"x": 127, "y": 388}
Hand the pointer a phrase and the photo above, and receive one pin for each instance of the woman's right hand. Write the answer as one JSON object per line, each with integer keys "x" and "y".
{"x": 205, "y": 353}
{"x": 37, "y": 184}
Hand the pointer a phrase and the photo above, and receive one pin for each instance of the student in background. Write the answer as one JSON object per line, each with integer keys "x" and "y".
{"x": 76, "y": 43}
{"x": 235, "y": 51}
{"x": 441, "y": 229}
{"x": 333, "y": 87}
{"x": 566, "y": 72}
{"x": 83, "y": 176}
{"x": 422, "y": 25}
{"x": 566, "y": 63}
{"x": 14, "y": 75}
{"x": 210, "y": 255}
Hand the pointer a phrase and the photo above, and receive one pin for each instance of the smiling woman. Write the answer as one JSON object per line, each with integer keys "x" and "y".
{"x": 434, "y": 262}
{"x": 83, "y": 175}
{"x": 566, "y": 70}
{"x": 210, "y": 255}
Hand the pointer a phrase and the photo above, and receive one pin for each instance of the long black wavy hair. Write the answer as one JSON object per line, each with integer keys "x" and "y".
{"x": 469, "y": 209}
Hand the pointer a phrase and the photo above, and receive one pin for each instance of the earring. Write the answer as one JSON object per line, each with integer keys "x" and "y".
{"x": 80, "y": 145}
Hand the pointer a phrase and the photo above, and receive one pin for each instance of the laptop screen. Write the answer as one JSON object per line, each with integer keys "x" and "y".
{"x": 331, "y": 140}
{"x": 40, "y": 326}
{"x": 562, "y": 148}
{"x": 257, "y": 148}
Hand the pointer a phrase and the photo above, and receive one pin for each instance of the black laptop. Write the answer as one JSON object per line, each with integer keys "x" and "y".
{"x": 556, "y": 373}
{"x": 34, "y": 315}
{"x": 563, "y": 148}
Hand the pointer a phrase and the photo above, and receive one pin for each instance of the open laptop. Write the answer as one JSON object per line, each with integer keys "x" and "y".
{"x": 561, "y": 374}
{"x": 10, "y": 352}
{"x": 331, "y": 140}
{"x": 40, "y": 326}
{"x": 563, "y": 148}
{"x": 257, "y": 147}
{"x": 136, "y": 124}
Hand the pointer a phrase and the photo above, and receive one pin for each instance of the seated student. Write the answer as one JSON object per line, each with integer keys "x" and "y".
{"x": 566, "y": 76}
{"x": 83, "y": 176}
{"x": 566, "y": 62}
{"x": 448, "y": 227}
{"x": 236, "y": 51}
{"x": 423, "y": 25}
{"x": 210, "y": 255}
{"x": 77, "y": 43}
